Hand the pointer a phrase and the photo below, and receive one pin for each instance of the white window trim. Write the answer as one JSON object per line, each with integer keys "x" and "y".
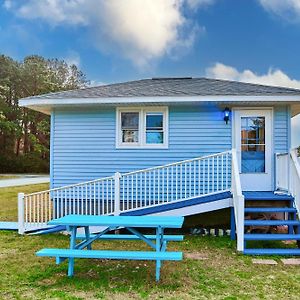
{"x": 142, "y": 127}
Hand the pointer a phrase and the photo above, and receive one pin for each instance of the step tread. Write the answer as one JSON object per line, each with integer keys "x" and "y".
{"x": 270, "y": 209}
{"x": 272, "y": 251}
{"x": 269, "y": 196}
{"x": 271, "y": 222}
{"x": 271, "y": 237}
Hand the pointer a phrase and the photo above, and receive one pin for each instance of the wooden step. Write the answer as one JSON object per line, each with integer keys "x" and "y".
{"x": 271, "y": 222}
{"x": 273, "y": 251}
{"x": 266, "y": 196}
{"x": 271, "y": 237}
{"x": 270, "y": 209}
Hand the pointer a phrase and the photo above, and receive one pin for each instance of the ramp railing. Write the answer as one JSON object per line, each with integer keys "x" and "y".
{"x": 178, "y": 181}
{"x": 94, "y": 197}
{"x": 173, "y": 182}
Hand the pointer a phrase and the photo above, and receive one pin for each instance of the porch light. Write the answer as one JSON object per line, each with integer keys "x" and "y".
{"x": 226, "y": 114}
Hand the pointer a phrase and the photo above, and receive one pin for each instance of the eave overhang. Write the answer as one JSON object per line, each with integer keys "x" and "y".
{"x": 46, "y": 105}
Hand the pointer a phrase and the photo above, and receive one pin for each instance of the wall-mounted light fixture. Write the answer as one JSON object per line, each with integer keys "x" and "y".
{"x": 226, "y": 114}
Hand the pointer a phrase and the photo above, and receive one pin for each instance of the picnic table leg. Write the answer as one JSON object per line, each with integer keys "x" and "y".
{"x": 159, "y": 240}
{"x": 72, "y": 246}
{"x": 87, "y": 236}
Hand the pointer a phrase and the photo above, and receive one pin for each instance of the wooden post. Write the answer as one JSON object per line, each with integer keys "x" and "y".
{"x": 21, "y": 228}
{"x": 117, "y": 177}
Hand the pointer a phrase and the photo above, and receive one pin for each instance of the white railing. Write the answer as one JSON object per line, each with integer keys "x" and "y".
{"x": 295, "y": 179}
{"x": 282, "y": 165}
{"x": 238, "y": 201}
{"x": 95, "y": 197}
{"x": 178, "y": 181}
{"x": 288, "y": 175}
{"x": 173, "y": 182}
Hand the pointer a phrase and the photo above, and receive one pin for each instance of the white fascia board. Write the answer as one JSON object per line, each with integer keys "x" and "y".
{"x": 132, "y": 100}
{"x": 46, "y": 105}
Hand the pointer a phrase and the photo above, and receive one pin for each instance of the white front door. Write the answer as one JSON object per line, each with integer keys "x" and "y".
{"x": 253, "y": 142}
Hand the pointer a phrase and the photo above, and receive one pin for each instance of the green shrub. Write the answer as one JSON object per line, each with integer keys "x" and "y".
{"x": 29, "y": 163}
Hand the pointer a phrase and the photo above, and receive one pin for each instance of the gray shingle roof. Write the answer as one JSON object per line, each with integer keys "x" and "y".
{"x": 169, "y": 87}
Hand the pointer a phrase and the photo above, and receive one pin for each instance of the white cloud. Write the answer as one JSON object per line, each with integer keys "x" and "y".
{"x": 287, "y": 9}
{"x": 195, "y": 4}
{"x": 7, "y": 4}
{"x": 273, "y": 77}
{"x": 141, "y": 31}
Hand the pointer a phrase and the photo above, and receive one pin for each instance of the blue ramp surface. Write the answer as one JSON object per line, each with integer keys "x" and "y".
{"x": 8, "y": 225}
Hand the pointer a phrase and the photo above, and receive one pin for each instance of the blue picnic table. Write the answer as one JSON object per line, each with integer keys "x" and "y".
{"x": 133, "y": 224}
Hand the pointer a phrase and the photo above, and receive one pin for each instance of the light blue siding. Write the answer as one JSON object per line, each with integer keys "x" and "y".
{"x": 84, "y": 142}
{"x": 281, "y": 128}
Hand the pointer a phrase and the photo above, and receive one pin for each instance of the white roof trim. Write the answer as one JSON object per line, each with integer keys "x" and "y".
{"x": 129, "y": 100}
{"x": 46, "y": 105}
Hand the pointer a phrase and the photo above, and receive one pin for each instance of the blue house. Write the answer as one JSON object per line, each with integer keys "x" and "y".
{"x": 172, "y": 146}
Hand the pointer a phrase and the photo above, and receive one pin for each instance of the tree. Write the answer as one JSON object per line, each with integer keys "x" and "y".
{"x": 24, "y": 134}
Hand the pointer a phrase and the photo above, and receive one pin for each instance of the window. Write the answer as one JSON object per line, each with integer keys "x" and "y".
{"x": 130, "y": 127}
{"x": 154, "y": 128}
{"x": 253, "y": 144}
{"x": 143, "y": 127}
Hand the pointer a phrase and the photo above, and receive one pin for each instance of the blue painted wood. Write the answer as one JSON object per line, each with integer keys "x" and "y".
{"x": 179, "y": 204}
{"x": 111, "y": 254}
{"x": 48, "y": 230}
{"x": 131, "y": 237}
{"x": 123, "y": 221}
{"x": 274, "y": 251}
{"x": 270, "y": 209}
{"x": 232, "y": 224}
{"x": 72, "y": 247}
{"x": 87, "y": 236}
{"x": 9, "y": 226}
{"x": 271, "y": 222}
{"x": 265, "y": 195}
{"x": 158, "y": 244}
{"x": 142, "y": 237}
{"x": 271, "y": 237}
{"x": 84, "y": 141}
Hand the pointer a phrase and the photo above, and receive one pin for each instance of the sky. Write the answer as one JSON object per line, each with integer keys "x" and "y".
{"x": 119, "y": 40}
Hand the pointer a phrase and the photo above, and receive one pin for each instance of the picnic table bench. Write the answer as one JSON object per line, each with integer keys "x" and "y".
{"x": 158, "y": 242}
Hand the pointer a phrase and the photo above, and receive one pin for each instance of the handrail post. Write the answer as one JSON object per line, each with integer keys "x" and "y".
{"x": 21, "y": 227}
{"x": 290, "y": 162}
{"x": 238, "y": 201}
{"x": 117, "y": 178}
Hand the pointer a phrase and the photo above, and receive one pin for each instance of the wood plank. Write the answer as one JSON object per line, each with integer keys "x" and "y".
{"x": 124, "y": 221}
{"x": 109, "y": 254}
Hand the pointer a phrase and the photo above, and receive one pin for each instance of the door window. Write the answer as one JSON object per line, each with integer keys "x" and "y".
{"x": 253, "y": 144}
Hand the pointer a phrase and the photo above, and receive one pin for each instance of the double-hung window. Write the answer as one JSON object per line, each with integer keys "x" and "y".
{"x": 145, "y": 127}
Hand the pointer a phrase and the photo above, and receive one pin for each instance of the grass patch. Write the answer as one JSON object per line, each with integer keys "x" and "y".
{"x": 8, "y": 177}
{"x": 9, "y": 199}
{"x": 223, "y": 274}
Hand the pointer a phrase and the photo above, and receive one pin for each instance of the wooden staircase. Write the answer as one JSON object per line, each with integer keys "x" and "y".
{"x": 276, "y": 210}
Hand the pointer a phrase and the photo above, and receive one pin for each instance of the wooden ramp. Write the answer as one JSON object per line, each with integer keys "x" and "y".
{"x": 8, "y": 225}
